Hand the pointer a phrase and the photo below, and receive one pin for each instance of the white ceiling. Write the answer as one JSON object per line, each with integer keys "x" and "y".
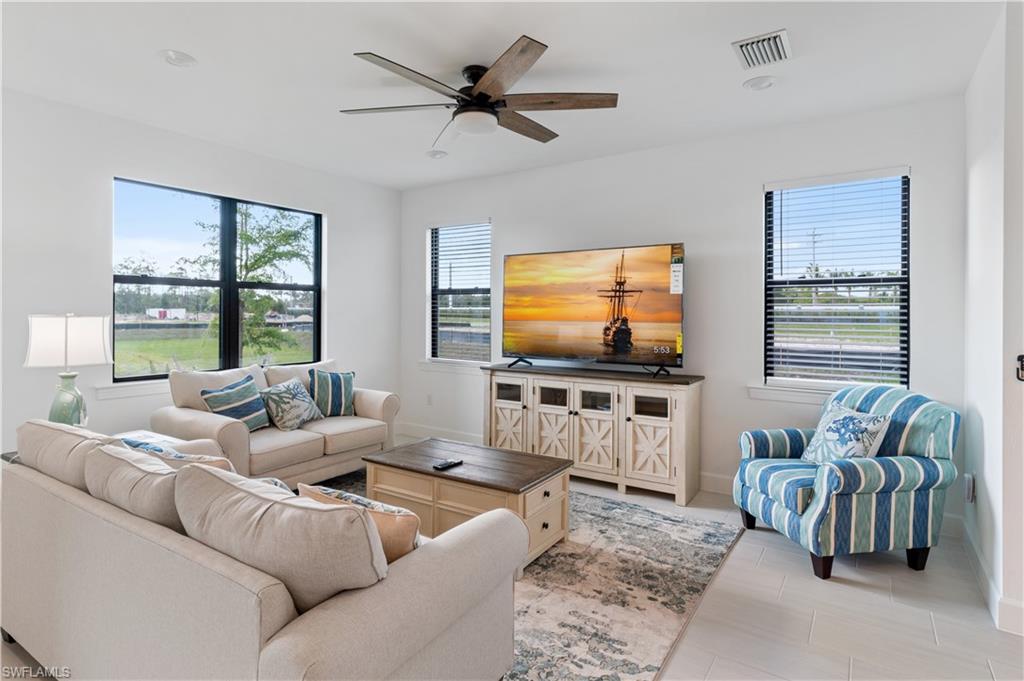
{"x": 271, "y": 77}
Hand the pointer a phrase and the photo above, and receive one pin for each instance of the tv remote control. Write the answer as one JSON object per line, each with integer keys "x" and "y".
{"x": 446, "y": 464}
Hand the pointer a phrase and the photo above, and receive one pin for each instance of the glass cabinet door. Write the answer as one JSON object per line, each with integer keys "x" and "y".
{"x": 595, "y": 428}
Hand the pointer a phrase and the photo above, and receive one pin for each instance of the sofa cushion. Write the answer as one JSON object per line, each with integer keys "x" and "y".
{"x": 240, "y": 400}
{"x": 342, "y": 433}
{"x": 135, "y": 481}
{"x": 789, "y": 482}
{"x": 315, "y": 550}
{"x": 272, "y": 448}
{"x": 280, "y": 374}
{"x": 289, "y": 404}
{"x": 59, "y": 450}
{"x": 333, "y": 391}
{"x": 399, "y": 527}
{"x": 187, "y": 386}
{"x": 174, "y": 457}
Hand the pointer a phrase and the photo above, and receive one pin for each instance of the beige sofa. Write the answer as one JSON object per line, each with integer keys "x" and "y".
{"x": 110, "y": 595}
{"x": 314, "y": 452}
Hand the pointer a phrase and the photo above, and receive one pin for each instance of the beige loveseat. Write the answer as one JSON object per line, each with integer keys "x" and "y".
{"x": 106, "y": 594}
{"x": 314, "y": 452}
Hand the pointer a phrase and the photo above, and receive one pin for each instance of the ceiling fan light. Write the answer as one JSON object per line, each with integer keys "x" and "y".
{"x": 475, "y": 122}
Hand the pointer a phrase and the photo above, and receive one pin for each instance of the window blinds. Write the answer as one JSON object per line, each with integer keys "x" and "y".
{"x": 460, "y": 292}
{"x": 837, "y": 281}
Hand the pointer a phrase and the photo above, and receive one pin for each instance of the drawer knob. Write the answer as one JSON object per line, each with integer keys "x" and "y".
{"x": 629, "y": 418}
{"x": 547, "y": 493}
{"x": 543, "y": 526}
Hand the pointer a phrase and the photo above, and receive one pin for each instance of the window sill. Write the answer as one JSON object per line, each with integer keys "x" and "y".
{"x": 794, "y": 394}
{"x": 120, "y": 391}
{"x": 452, "y": 366}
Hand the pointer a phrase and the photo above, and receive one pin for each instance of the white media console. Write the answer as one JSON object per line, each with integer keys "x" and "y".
{"x": 622, "y": 427}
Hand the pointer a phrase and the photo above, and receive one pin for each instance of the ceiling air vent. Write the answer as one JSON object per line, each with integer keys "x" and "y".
{"x": 760, "y": 50}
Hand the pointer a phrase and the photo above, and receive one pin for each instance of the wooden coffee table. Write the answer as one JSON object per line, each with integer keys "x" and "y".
{"x": 532, "y": 486}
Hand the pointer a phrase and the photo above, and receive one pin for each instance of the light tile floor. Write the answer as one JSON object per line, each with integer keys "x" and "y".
{"x": 765, "y": 615}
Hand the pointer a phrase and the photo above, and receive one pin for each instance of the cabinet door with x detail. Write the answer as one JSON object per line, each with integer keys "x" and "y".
{"x": 649, "y": 435}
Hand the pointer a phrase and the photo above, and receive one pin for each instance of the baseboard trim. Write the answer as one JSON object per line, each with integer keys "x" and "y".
{"x": 989, "y": 590}
{"x": 1011, "y": 616}
{"x": 716, "y": 482}
{"x": 422, "y": 430}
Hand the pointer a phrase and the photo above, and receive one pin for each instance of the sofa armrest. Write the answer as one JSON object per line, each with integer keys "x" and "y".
{"x": 191, "y": 424}
{"x": 202, "y": 447}
{"x": 859, "y": 475}
{"x": 775, "y": 443}
{"x": 368, "y": 633}
{"x": 380, "y": 405}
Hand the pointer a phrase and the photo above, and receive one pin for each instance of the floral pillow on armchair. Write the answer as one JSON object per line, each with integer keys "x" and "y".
{"x": 843, "y": 433}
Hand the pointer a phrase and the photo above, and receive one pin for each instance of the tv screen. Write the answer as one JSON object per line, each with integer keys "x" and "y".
{"x": 619, "y": 305}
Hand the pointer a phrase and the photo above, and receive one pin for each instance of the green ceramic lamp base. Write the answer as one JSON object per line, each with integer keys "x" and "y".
{"x": 68, "y": 404}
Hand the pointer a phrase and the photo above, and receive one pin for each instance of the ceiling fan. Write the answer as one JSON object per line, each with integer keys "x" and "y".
{"x": 484, "y": 104}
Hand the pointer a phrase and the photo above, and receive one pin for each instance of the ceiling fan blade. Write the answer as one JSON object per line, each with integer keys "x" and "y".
{"x": 554, "y": 101}
{"x": 509, "y": 68}
{"x": 414, "y": 76}
{"x": 388, "y": 109}
{"x": 510, "y": 120}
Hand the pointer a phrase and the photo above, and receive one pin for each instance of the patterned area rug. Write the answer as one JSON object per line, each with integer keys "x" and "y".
{"x": 610, "y": 602}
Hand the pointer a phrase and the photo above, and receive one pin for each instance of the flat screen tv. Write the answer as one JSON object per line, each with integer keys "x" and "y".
{"x": 618, "y": 305}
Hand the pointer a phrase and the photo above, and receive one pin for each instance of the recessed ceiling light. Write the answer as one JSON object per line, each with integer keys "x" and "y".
{"x": 178, "y": 58}
{"x": 437, "y": 154}
{"x": 759, "y": 83}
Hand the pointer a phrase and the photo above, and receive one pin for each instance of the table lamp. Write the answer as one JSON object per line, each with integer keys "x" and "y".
{"x": 68, "y": 341}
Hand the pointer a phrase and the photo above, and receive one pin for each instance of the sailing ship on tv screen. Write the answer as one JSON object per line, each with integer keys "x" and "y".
{"x": 621, "y": 305}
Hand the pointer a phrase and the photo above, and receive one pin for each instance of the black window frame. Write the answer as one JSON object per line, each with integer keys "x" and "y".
{"x": 437, "y": 291}
{"x": 230, "y": 332}
{"x": 902, "y": 282}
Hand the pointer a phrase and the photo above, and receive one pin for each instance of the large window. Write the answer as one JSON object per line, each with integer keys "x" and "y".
{"x": 210, "y": 282}
{"x": 837, "y": 281}
{"x": 460, "y": 292}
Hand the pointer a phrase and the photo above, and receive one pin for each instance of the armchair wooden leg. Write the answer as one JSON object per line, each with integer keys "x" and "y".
{"x": 822, "y": 566}
{"x": 916, "y": 558}
{"x": 749, "y": 521}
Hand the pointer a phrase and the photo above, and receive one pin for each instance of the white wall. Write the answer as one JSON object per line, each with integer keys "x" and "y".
{"x": 994, "y": 318}
{"x": 708, "y": 195}
{"x": 58, "y": 165}
{"x": 983, "y": 298}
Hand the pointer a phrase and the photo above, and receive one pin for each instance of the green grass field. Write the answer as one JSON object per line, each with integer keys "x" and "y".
{"x": 145, "y": 353}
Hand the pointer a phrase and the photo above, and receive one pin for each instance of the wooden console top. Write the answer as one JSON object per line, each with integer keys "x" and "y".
{"x": 595, "y": 374}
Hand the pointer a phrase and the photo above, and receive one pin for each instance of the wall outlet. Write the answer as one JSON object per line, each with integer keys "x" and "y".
{"x": 970, "y": 488}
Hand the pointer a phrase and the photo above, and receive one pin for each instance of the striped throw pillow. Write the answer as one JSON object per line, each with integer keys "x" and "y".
{"x": 240, "y": 400}
{"x": 332, "y": 391}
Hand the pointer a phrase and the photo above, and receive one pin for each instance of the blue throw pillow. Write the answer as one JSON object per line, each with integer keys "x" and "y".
{"x": 843, "y": 433}
{"x": 332, "y": 391}
{"x": 241, "y": 400}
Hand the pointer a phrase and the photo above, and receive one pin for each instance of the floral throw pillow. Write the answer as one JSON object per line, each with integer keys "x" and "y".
{"x": 843, "y": 433}
{"x": 289, "y": 405}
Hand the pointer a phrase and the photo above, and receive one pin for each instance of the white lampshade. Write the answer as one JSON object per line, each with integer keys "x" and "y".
{"x": 67, "y": 341}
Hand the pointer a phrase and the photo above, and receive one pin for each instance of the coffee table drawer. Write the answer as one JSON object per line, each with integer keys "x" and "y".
{"x": 469, "y": 498}
{"x": 545, "y": 524}
{"x": 545, "y": 493}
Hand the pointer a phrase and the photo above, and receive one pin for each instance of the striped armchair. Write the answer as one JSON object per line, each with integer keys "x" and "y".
{"x": 855, "y": 505}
